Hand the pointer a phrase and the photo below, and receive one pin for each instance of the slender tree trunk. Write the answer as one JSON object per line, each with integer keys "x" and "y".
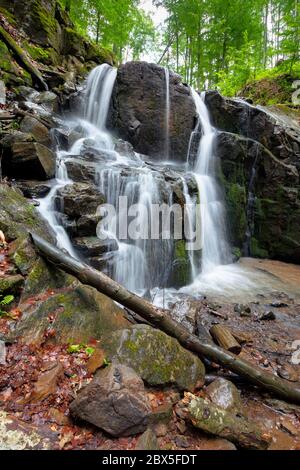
{"x": 98, "y": 27}
{"x": 162, "y": 320}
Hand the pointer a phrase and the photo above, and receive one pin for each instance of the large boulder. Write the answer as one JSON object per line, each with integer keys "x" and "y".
{"x": 30, "y": 125}
{"x": 139, "y": 110}
{"x": 79, "y": 314}
{"x": 156, "y": 357}
{"x": 18, "y": 217}
{"x": 114, "y": 401}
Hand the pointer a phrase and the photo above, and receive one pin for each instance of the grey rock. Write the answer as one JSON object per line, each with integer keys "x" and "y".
{"x": 48, "y": 100}
{"x": 2, "y": 353}
{"x": 114, "y": 401}
{"x": 224, "y": 394}
{"x": 2, "y": 93}
{"x": 147, "y": 441}
{"x": 32, "y": 126}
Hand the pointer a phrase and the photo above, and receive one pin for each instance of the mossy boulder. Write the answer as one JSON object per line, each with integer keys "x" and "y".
{"x": 11, "y": 284}
{"x": 78, "y": 315}
{"x": 18, "y": 217}
{"x": 156, "y": 357}
{"x": 23, "y": 254}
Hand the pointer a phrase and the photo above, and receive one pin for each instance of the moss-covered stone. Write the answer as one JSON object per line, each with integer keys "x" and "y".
{"x": 17, "y": 216}
{"x": 11, "y": 285}
{"x": 155, "y": 356}
{"x": 79, "y": 316}
{"x": 181, "y": 272}
{"x": 23, "y": 254}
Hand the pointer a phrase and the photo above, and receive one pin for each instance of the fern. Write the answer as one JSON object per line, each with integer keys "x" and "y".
{"x": 7, "y": 300}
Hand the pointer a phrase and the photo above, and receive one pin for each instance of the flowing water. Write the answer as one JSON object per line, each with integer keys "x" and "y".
{"x": 167, "y": 117}
{"x": 144, "y": 265}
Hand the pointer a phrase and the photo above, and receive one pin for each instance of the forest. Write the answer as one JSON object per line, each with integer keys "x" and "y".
{"x": 149, "y": 230}
{"x": 211, "y": 43}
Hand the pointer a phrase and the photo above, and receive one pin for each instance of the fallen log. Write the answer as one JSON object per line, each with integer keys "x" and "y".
{"x": 224, "y": 338}
{"x": 22, "y": 59}
{"x": 214, "y": 420}
{"x": 162, "y": 320}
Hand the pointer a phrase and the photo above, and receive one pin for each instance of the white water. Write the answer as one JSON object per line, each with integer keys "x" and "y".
{"x": 167, "y": 114}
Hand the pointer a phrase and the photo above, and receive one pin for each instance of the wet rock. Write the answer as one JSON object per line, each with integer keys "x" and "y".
{"x": 79, "y": 199}
{"x": 155, "y": 356}
{"x": 33, "y": 189}
{"x": 268, "y": 316}
{"x": 114, "y": 401}
{"x": 278, "y": 304}
{"x": 139, "y": 118}
{"x": 2, "y": 93}
{"x": 93, "y": 246}
{"x": 2, "y": 353}
{"x": 224, "y": 394}
{"x": 11, "y": 284}
{"x": 25, "y": 93}
{"x": 48, "y": 100}
{"x": 86, "y": 225}
{"x": 147, "y": 441}
{"x": 77, "y": 315}
{"x": 32, "y": 126}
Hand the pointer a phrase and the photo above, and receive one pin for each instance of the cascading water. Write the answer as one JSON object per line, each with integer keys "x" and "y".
{"x": 215, "y": 246}
{"x": 167, "y": 114}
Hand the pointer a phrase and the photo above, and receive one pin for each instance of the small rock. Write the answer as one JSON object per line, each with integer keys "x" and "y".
{"x": 181, "y": 426}
{"x": 160, "y": 430}
{"x": 243, "y": 310}
{"x": 278, "y": 305}
{"x": 48, "y": 100}
{"x": 268, "y": 316}
{"x": 182, "y": 442}
{"x": 288, "y": 372}
{"x": 2, "y": 353}
{"x": 114, "y": 401}
{"x": 224, "y": 394}
{"x": 32, "y": 126}
{"x": 147, "y": 441}
{"x": 47, "y": 383}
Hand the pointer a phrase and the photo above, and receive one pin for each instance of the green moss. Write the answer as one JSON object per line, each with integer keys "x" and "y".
{"x": 8, "y": 15}
{"x": 256, "y": 251}
{"x": 37, "y": 53}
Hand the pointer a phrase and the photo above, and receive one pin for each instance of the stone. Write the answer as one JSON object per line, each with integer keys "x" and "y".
{"x": 138, "y": 110}
{"x": 243, "y": 310}
{"x": 86, "y": 225}
{"x": 33, "y": 189}
{"x": 48, "y": 100}
{"x": 11, "y": 284}
{"x": 2, "y": 93}
{"x": 2, "y": 353}
{"x": 46, "y": 383}
{"x": 23, "y": 254}
{"x": 32, "y": 126}
{"x": 27, "y": 159}
{"x": 79, "y": 199}
{"x": 147, "y": 441}
{"x": 268, "y": 316}
{"x": 18, "y": 435}
{"x": 96, "y": 361}
{"x": 155, "y": 356}
{"x": 114, "y": 401}
{"x": 79, "y": 314}
{"x": 17, "y": 216}
{"x": 224, "y": 394}
{"x": 93, "y": 246}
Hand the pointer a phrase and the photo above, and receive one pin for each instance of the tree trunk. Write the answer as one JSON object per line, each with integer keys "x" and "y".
{"x": 22, "y": 59}
{"x": 162, "y": 320}
{"x": 225, "y": 339}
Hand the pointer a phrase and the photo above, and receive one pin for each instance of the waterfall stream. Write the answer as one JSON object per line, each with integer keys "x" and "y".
{"x": 145, "y": 264}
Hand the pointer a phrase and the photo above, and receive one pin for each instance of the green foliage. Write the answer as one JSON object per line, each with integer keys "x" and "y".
{"x": 78, "y": 348}
{"x": 119, "y": 25}
{"x": 226, "y": 43}
{"x": 5, "y": 302}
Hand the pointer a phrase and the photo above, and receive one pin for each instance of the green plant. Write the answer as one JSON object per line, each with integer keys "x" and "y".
{"x": 78, "y": 348}
{"x": 4, "y": 302}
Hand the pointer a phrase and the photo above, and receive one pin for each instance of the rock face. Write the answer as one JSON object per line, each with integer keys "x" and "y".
{"x": 260, "y": 161}
{"x": 114, "y": 401}
{"x": 156, "y": 357}
{"x": 139, "y": 110}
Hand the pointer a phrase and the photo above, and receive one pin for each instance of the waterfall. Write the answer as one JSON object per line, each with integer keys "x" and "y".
{"x": 215, "y": 246}
{"x": 167, "y": 114}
